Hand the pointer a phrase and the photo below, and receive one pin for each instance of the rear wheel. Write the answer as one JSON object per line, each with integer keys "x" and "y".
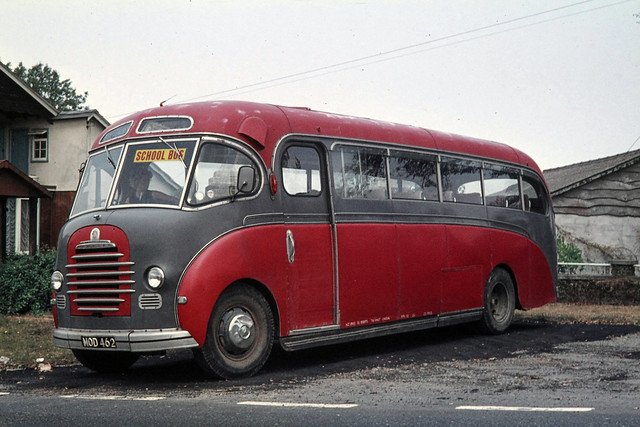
{"x": 106, "y": 361}
{"x": 239, "y": 336}
{"x": 499, "y": 302}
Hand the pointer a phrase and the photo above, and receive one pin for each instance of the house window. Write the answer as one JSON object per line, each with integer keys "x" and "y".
{"x": 39, "y": 145}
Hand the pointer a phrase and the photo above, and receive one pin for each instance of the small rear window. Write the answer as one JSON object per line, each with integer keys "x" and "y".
{"x": 163, "y": 124}
{"x": 116, "y": 132}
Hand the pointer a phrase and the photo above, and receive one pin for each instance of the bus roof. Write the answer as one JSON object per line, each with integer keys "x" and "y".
{"x": 263, "y": 125}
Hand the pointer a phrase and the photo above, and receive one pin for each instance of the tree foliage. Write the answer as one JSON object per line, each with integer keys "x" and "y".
{"x": 47, "y": 82}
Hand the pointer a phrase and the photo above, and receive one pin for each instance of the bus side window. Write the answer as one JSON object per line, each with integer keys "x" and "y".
{"x": 501, "y": 187}
{"x": 301, "y": 171}
{"x": 461, "y": 181}
{"x": 216, "y": 174}
{"x": 413, "y": 176}
{"x": 359, "y": 173}
{"x": 535, "y": 197}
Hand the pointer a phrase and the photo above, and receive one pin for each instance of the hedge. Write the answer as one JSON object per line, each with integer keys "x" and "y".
{"x": 25, "y": 283}
{"x": 615, "y": 291}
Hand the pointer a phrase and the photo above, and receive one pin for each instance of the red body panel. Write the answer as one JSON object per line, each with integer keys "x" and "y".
{"x": 303, "y": 291}
{"x": 229, "y": 259}
{"x": 310, "y": 278}
{"x": 368, "y": 273}
{"x": 422, "y": 255}
{"x": 468, "y": 267}
{"x": 520, "y": 255}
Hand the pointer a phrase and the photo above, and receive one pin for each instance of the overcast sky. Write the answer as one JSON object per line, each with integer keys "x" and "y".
{"x": 558, "y": 79}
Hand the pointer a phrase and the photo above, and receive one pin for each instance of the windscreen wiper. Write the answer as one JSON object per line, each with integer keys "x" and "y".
{"x": 106, "y": 150}
{"x": 175, "y": 150}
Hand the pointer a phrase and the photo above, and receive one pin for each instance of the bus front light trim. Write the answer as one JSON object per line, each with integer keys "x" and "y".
{"x": 155, "y": 277}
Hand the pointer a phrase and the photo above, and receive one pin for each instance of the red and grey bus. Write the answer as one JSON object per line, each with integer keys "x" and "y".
{"x": 228, "y": 227}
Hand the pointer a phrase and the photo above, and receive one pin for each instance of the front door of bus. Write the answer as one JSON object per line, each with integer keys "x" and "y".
{"x": 305, "y": 197}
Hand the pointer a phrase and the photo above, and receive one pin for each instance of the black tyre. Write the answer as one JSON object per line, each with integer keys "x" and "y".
{"x": 499, "y": 302}
{"x": 239, "y": 336}
{"x": 106, "y": 361}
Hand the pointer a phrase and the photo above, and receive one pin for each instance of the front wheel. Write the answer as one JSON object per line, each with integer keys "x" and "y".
{"x": 499, "y": 302}
{"x": 239, "y": 336}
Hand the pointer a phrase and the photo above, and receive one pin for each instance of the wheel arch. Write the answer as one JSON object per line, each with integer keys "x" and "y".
{"x": 266, "y": 293}
{"x": 508, "y": 269}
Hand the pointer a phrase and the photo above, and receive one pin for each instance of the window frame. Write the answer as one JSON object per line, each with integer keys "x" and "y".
{"x": 311, "y": 192}
{"x": 39, "y": 136}
{"x": 255, "y": 162}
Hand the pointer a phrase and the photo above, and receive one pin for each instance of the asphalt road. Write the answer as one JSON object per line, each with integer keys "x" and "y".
{"x": 536, "y": 374}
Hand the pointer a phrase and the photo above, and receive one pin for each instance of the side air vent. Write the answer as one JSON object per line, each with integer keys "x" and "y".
{"x": 61, "y": 302}
{"x": 150, "y": 301}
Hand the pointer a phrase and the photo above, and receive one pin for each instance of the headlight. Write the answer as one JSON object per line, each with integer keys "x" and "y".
{"x": 56, "y": 280}
{"x": 155, "y": 277}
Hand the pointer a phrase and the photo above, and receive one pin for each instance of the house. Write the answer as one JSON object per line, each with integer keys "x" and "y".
{"x": 41, "y": 151}
{"x": 597, "y": 206}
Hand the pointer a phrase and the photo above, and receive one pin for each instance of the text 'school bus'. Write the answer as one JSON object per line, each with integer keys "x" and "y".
{"x": 227, "y": 226}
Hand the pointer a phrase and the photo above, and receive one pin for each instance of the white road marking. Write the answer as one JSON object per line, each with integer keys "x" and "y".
{"x": 106, "y": 397}
{"x": 4, "y": 393}
{"x": 523, "y": 409}
{"x": 301, "y": 405}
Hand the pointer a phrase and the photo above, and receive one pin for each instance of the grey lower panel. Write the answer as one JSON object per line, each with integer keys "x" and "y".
{"x": 302, "y": 341}
{"x": 137, "y": 341}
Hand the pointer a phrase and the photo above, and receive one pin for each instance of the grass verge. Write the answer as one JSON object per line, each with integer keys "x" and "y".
{"x": 583, "y": 313}
{"x": 26, "y": 341}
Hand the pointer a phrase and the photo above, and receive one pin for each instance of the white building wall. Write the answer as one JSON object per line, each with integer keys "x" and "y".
{"x": 603, "y": 238}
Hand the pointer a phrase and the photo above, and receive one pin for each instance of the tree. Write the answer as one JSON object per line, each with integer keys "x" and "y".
{"x": 46, "y": 81}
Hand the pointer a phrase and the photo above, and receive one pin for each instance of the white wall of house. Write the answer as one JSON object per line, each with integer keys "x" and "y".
{"x": 69, "y": 141}
{"x": 603, "y": 238}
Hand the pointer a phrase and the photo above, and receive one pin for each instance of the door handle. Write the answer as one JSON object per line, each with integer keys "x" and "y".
{"x": 291, "y": 246}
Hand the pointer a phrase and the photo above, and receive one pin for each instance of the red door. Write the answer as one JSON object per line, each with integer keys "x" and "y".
{"x": 308, "y": 235}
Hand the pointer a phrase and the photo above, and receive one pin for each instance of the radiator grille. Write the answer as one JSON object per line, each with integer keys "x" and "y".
{"x": 99, "y": 279}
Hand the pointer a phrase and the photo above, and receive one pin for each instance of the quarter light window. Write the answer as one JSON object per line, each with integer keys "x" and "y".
{"x": 535, "y": 195}
{"x": 216, "y": 174}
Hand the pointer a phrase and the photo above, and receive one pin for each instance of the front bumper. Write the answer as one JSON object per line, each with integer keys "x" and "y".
{"x": 137, "y": 341}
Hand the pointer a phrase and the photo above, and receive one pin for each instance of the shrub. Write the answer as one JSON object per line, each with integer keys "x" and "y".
{"x": 24, "y": 283}
{"x": 567, "y": 252}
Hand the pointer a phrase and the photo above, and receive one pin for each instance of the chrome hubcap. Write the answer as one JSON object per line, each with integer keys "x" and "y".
{"x": 237, "y": 331}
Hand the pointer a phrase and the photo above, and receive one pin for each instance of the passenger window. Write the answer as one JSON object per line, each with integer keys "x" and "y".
{"x": 413, "y": 176}
{"x": 535, "y": 196}
{"x": 461, "y": 181}
{"x": 301, "y": 171}
{"x": 501, "y": 187}
{"x": 359, "y": 173}
{"x": 216, "y": 174}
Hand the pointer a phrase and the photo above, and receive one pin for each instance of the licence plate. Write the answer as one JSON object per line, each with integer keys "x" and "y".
{"x": 99, "y": 342}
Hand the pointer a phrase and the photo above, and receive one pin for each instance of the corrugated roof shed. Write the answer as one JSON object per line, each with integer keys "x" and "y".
{"x": 565, "y": 178}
